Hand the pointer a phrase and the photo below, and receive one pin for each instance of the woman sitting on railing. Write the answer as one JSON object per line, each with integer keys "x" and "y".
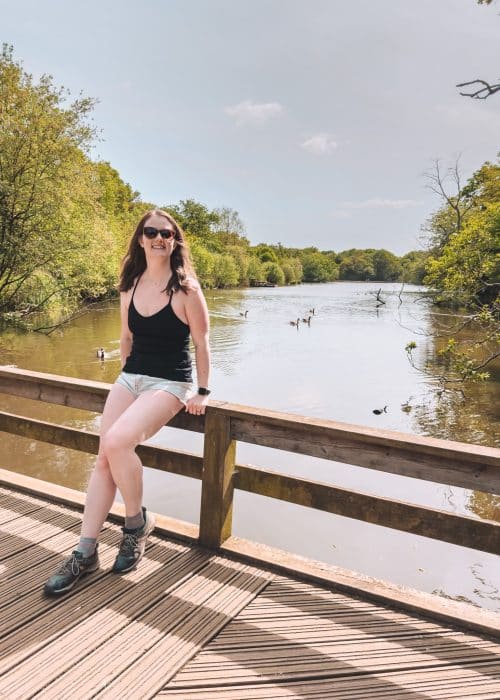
{"x": 155, "y": 383}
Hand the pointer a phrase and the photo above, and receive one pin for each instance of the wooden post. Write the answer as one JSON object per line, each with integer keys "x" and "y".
{"x": 217, "y": 481}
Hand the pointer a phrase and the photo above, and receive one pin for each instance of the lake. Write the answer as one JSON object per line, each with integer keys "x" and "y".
{"x": 349, "y": 361}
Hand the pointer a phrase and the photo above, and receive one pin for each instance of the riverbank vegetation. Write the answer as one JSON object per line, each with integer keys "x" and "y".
{"x": 463, "y": 273}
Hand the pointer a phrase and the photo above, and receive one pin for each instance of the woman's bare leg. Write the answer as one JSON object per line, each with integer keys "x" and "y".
{"x": 139, "y": 422}
{"x": 101, "y": 490}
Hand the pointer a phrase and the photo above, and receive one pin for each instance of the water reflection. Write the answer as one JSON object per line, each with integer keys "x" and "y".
{"x": 473, "y": 416}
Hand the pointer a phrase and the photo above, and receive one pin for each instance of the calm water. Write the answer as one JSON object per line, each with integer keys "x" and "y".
{"x": 349, "y": 361}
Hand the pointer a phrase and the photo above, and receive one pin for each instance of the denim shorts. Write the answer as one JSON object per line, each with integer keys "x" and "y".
{"x": 139, "y": 383}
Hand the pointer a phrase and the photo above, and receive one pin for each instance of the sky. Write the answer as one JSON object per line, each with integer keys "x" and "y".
{"x": 315, "y": 119}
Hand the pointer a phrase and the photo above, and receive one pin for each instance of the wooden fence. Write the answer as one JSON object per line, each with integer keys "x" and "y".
{"x": 441, "y": 461}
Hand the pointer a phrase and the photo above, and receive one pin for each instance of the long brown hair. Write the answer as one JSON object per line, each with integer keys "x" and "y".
{"x": 134, "y": 262}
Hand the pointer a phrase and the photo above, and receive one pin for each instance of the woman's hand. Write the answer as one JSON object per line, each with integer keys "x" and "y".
{"x": 196, "y": 405}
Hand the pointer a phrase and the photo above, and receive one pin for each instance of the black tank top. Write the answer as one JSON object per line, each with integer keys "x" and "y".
{"x": 160, "y": 345}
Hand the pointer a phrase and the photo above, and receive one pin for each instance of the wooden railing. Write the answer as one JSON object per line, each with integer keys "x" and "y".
{"x": 456, "y": 464}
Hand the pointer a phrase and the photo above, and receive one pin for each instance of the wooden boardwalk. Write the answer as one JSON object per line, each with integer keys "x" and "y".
{"x": 192, "y": 624}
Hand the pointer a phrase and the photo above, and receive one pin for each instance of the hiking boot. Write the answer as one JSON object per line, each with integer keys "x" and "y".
{"x": 75, "y": 566}
{"x": 133, "y": 545}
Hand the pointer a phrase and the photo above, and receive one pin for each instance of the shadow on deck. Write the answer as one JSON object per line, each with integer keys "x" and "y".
{"x": 198, "y": 625}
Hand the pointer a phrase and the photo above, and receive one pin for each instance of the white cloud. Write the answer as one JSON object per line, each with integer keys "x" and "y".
{"x": 377, "y": 203}
{"x": 254, "y": 113}
{"x": 319, "y": 144}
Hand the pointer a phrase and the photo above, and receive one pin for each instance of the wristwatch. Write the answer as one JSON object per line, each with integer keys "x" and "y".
{"x": 203, "y": 391}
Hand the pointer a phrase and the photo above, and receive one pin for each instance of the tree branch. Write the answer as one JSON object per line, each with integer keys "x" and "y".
{"x": 482, "y": 92}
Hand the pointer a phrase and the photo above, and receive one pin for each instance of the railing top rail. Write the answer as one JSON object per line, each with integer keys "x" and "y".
{"x": 248, "y": 417}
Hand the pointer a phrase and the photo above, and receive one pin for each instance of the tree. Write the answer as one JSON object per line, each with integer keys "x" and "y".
{"x": 413, "y": 266}
{"x": 265, "y": 253}
{"x": 449, "y": 219}
{"x": 49, "y": 213}
{"x": 228, "y": 221}
{"x": 255, "y": 271}
{"x": 194, "y": 217}
{"x": 121, "y": 204}
{"x": 387, "y": 266}
{"x": 225, "y": 271}
{"x": 292, "y": 269}
{"x": 204, "y": 264}
{"x": 467, "y": 271}
{"x": 463, "y": 265}
{"x": 241, "y": 260}
{"x": 274, "y": 273}
{"x": 315, "y": 268}
{"x": 464, "y": 271}
{"x": 356, "y": 265}
{"x": 116, "y": 196}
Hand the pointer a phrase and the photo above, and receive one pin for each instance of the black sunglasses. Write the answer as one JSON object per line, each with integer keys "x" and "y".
{"x": 151, "y": 232}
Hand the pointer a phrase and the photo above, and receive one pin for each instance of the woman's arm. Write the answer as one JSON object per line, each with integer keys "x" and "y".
{"x": 125, "y": 334}
{"x": 199, "y": 325}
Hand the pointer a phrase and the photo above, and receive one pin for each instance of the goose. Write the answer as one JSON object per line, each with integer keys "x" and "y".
{"x": 100, "y": 353}
{"x": 295, "y": 323}
{"x": 378, "y": 411}
{"x": 307, "y": 320}
{"x": 311, "y": 311}
{"x": 406, "y": 406}
{"x": 244, "y": 314}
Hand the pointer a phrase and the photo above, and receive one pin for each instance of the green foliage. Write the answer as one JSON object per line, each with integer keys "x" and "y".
{"x": 387, "y": 267}
{"x": 49, "y": 212}
{"x": 293, "y": 270}
{"x": 265, "y": 253}
{"x": 274, "y": 273}
{"x": 469, "y": 266}
{"x": 242, "y": 260}
{"x": 318, "y": 267}
{"x": 229, "y": 221}
{"x": 204, "y": 264}
{"x": 466, "y": 269}
{"x": 225, "y": 271}
{"x": 255, "y": 271}
{"x": 356, "y": 265}
{"x": 195, "y": 218}
{"x": 413, "y": 266}
{"x": 117, "y": 197}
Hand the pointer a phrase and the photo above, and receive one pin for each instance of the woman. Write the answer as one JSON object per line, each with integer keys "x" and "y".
{"x": 161, "y": 304}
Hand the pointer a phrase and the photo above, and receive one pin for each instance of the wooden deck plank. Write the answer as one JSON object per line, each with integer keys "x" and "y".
{"x": 434, "y": 684}
{"x": 147, "y": 651}
{"x": 20, "y": 532}
{"x": 315, "y": 634}
{"x": 11, "y": 508}
{"x": 190, "y": 624}
{"x": 26, "y": 571}
{"x": 113, "y": 599}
